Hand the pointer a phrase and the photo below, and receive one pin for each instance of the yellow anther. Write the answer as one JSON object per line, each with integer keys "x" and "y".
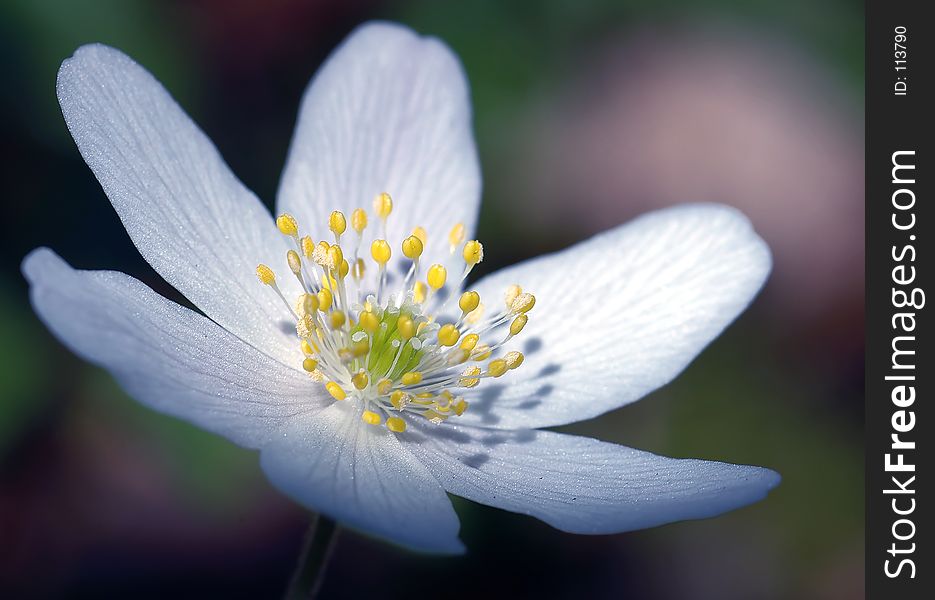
{"x": 468, "y": 377}
{"x": 517, "y": 325}
{"x": 399, "y": 399}
{"x": 266, "y": 275}
{"x": 321, "y": 255}
{"x": 418, "y": 292}
{"x": 384, "y": 386}
{"x": 412, "y": 247}
{"x": 522, "y": 303}
{"x": 335, "y": 256}
{"x": 359, "y": 269}
{"x": 360, "y": 380}
{"x": 383, "y": 205}
{"x": 336, "y": 319}
{"x": 305, "y": 327}
{"x": 420, "y": 233}
{"x": 337, "y": 223}
{"x": 309, "y": 303}
{"x": 469, "y": 341}
{"x": 310, "y": 364}
{"x": 513, "y": 359}
{"x": 482, "y": 352}
{"x": 460, "y": 406}
{"x": 336, "y": 391}
{"x": 369, "y": 322}
{"x": 396, "y": 425}
{"x": 307, "y": 348}
{"x": 295, "y": 263}
{"x": 359, "y": 220}
{"x": 511, "y": 294}
{"x": 448, "y": 335}
{"x": 287, "y": 225}
{"x": 469, "y": 301}
{"x": 308, "y": 246}
{"x": 343, "y": 269}
{"x": 324, "y": 299}
{"x": 456, "y": 236}
{"x": 406, "y": 327}
{"x": 473, "y": 253}
{"x": 411, "y": 378}
{"x": 437, "y": 276}
{"x": 381, "y": 252}
{"x": 497, "y": 367}
{"x": 371, "y": 418}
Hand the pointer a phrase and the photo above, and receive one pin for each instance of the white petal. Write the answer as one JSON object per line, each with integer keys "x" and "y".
{"x": 582, "y": 485}
{"x": 388, "y": 112}
{"x": 190, "y": 218}
{"x": 363, "y": 477}
{"x": 621, "y": 314}
{"x": 167, "y": 356}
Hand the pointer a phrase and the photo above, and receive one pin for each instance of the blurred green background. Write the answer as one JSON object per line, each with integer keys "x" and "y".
{"x": 586, "y": 114}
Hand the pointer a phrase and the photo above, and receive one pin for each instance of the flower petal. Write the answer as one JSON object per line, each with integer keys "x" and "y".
{"x": 621, "y": 314}
{"x": 167, "y": 356}
{"x": 582, "y": 485}
{"x": 363, "y": 477}
{"x": 190, "y": 218}
{"x": 388, "y": 112}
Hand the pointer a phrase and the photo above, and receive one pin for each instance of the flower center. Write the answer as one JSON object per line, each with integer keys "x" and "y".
{"x": 396, "y": 343}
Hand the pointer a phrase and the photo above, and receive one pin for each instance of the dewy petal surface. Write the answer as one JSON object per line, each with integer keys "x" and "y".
{"x": 621, "y": 314}
{"x": 388, "y": 112}
{"x": 190, "y": 218}
{"x": 167, "y": 356}
{"x": 363, "y": 477}
{"x": 582, "y": 485}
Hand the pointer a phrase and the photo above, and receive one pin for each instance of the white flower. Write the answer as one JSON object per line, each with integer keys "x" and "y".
{"x": 614, "y": 317}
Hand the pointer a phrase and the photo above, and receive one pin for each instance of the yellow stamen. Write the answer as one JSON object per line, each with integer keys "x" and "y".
{"x": 287, "y": 225}
{"x": 266, "y": 275}
{"x": 437, "y": 276}
{"x": 396, "y": 425}
{"x": 324, "y": 299}
{"x": 469, "y": 301}
{"x": 522, "y": 303}
{"x": 359, "y": 220}
{"x": 473, "y": 253}
{"x": 383, "y": 205}
{"x": 308, "y": 246}
{"x": 513, "y": 359}
{"x": 518, "y": 323}
{"x": 381, "y": 252}
{"x": 412, "y": 247}
{"x": 337, "y": 223}
{"x": 295, "y": 263}
{"x": 411, "y": 378}
{"x": 406, "y": 327}
{"x": 371, "y": 418}
{"x": 497, "y": 367}
{"x": 469, "y": 341}
{"x": 310, "y": 364}
{"x": 336, "y": 391}
{"x": 448, "y": 335}
{"x": 360, "y": 380}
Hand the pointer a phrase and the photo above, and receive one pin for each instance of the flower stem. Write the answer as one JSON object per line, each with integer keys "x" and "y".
{"x": 316, "y": 551}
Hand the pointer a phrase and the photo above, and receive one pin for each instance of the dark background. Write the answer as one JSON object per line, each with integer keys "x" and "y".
{"x": 586, "y": 114}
